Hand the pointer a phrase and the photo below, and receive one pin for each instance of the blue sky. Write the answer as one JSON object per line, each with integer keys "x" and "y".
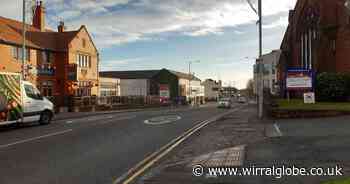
{"x": 154, "y": 34}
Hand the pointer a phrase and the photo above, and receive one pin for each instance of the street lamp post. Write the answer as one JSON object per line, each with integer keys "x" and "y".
{"x": 259, "y": 60}
{"x": 24, "y": 40}
{"x": 260, "y": 66}
{"x": 190, "y": 75}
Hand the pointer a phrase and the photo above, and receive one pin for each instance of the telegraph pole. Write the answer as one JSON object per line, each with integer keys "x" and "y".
{"x": 24, "y": 40}
{"x": 260, "y": 65}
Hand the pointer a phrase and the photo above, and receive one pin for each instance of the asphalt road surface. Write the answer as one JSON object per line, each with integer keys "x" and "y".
{"x": 87, "y": 150}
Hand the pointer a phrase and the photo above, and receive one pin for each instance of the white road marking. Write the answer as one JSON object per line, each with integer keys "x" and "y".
{"x": 35, "y": 138}
{"x": 161, "y": 122}
{"x": 278, "y": 130}
{"x": 69, "y": 122}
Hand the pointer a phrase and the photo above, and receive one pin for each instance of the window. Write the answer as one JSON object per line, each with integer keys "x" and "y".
{"x": 16, "y": 53}
{"x": 84, "y": 61}
{"x": 47, "y": 88}
{"x": 84, "y": 43}
{"x": 45, "y": 56}
{"x": 84, "y": 89}
{"x": 333, "y": 45}
{"x": 31, "y": 92}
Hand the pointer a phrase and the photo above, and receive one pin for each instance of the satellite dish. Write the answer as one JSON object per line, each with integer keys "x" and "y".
{"x": 347, "y": 5}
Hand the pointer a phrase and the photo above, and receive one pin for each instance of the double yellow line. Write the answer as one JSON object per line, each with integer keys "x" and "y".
{"x": 146, "y": 163}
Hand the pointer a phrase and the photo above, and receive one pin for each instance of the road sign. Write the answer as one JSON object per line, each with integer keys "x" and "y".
{"x": 309, "y": 98}
{"x": 164, "y": 91}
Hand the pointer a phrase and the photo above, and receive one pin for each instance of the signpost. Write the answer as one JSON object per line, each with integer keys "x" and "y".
{"x": 301, "y": 80}
{"x": 164, "y": 92}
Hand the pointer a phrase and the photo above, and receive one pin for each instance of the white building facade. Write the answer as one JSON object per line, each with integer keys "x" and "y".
{"x": 269, "y": 61}
{"x": 211, "y": 89}
{"x": 134, "y": 87}
{"x": 109, "y": 86}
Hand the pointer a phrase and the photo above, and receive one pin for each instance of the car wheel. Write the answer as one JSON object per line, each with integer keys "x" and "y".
{"x": 45, "y": 118}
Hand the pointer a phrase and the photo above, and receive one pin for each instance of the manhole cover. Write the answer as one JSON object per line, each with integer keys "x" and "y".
{"x": 162, "y": 120}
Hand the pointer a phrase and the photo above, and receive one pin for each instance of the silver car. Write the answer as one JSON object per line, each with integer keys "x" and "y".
{"x": 242, "y": 99}
{"x": 225, "y": 103}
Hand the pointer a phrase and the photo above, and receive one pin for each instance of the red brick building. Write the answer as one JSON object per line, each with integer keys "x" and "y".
{"x": 61, "y": 63}
{"x": 317, "y": 37}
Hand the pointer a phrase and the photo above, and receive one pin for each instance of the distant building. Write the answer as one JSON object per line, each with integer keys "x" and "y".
{"x": 60, "y": 63}
{"x": 148, "y": 82}
{"x": 211, "y": 89}
{"x": 109, "y": 86}
{"x": 228, "y": 91}
{"x": 270, "y": 62}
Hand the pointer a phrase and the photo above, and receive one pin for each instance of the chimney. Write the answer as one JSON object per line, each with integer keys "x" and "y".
{"x": 39, "y": 16}
{"x": 60, "y": 27}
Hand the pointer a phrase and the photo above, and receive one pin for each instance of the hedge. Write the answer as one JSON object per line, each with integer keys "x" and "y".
{"x": 333, "y": 87}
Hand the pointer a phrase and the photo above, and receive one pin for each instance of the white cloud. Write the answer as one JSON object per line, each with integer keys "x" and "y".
{"x": 108, "y": 65}
{"x": 115, "y": 22}
{"x": 281, "y": 22}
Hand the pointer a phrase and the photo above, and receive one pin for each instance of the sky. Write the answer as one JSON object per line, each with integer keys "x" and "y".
{"x": 153, "y": 34}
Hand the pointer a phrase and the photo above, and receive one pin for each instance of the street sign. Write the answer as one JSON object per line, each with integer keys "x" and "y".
{"x": 299, "y": 79}
{"x": 309, "y": 98}
{"x": 164, "y": 91}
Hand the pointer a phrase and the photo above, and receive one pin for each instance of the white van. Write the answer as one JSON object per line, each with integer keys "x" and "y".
{"x": 21, "y": 102}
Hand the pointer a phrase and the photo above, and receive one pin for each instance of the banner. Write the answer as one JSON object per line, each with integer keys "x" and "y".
{"x": 299, "y": 79}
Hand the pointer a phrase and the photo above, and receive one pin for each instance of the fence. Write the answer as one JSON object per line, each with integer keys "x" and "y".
{"x": 69, "y": 101}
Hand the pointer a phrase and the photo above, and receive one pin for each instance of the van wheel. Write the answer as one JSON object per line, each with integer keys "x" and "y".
{"x": 45, "y": 118}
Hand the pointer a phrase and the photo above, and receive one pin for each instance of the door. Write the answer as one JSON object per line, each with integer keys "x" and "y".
{"x": 32, "y": 103}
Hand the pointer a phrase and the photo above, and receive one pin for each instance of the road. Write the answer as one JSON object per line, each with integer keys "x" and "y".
{"x": 95, "y": 149}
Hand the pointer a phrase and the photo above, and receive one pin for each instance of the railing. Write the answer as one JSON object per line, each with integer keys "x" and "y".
{"x": 115, "y": 100}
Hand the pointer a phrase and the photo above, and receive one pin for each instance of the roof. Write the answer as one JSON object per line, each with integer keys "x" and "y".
{"x": 11, "y": 33}
{"x": 136, "y": 74}
{"x": 143, "y": 74}
{"x": 184, "y": 75}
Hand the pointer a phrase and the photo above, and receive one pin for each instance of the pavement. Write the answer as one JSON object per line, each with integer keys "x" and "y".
{"x": 303, "y": 143}
{"x": 92, "y": 149}
{"x": 221, "y": 143}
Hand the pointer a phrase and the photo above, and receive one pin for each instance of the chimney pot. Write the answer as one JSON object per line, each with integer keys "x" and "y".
{"x": 61, "y": 27}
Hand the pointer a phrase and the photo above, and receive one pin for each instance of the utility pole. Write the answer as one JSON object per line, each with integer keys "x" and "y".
{"x": 260, "y": 65}
{"x": 24, "y": 40}
{"x": 189, "y": 81}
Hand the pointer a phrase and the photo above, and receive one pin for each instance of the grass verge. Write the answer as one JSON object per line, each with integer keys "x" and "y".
{"x": 299, "y": 105}
{"x": 341, "y": 181}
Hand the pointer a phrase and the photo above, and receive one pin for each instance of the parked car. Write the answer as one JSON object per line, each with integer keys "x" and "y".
{"x": 22, "y": 102}
{"x": 225, "y": 103}
{"x": 242, "y": 99}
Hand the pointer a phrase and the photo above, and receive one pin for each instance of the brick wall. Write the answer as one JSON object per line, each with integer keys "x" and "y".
{"x": 331, "y": 49}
